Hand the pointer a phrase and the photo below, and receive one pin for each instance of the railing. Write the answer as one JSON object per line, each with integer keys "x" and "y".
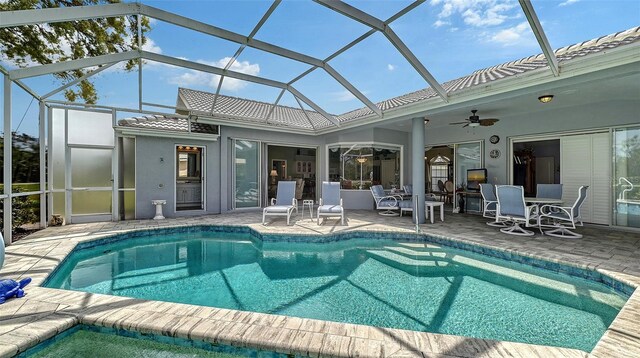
{"x": 628, "y": 187}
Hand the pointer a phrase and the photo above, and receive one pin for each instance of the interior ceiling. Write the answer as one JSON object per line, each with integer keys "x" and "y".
{"x": 565, "y": 96}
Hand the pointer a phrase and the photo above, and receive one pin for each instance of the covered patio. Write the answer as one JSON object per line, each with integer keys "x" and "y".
{"x": 211, "y": 147}
{"x": 45, "y": 312}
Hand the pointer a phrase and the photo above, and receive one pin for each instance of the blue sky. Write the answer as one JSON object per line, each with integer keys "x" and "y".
{"x": 451, "y": 37}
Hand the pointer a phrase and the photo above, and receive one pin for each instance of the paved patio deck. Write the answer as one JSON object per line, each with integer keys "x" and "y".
{"x": 45, "y": 312}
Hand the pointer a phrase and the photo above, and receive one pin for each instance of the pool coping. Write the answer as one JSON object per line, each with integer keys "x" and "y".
{"x": 274, "y": 332}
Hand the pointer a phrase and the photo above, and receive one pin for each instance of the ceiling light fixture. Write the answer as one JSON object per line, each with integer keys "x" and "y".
{"x": 546, "y": 98}
{"x": 361, "y": 160}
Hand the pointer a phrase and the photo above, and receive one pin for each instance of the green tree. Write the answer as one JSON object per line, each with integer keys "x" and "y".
{"x": 63, "y": 41}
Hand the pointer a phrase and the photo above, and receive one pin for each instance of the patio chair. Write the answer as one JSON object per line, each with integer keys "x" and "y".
{"x": 448, "y": 188}
{"x": 512, "y": 207}
{"x": 552, "y": 191}
{"x": 387, "y": 203}
{"x": 284, "y": 203}
{"x": 408, "y": 189}
{"x": 331, "y": 202}
{"x": 489, "y": 208}
{"x": 563, "y": 218}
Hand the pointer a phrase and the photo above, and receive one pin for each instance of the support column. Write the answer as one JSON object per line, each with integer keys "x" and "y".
{"x": 7, "y": 162}
{"x": 42, "y": 140}
{"x": 417, "y": 165}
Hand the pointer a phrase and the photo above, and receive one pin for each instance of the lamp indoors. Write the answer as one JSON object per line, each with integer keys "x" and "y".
{"x": 273, "y": 176}
{"x": 545, "y": 98}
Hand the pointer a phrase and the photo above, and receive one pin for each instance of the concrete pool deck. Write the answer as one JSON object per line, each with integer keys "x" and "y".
{"x": 45, "y": 312}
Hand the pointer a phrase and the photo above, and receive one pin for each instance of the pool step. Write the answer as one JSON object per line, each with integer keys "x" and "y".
{"x": 421, "y": 254}
{"x": 409, "y": 265}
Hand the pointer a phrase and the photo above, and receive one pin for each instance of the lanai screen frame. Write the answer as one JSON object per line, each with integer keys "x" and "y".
{"x": 51, "y": 15}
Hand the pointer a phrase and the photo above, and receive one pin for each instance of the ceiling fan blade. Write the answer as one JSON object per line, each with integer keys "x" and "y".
{"x": 488, "y": 121}
{"x": 456, "y": 123}
{"x": 466, "y": 125}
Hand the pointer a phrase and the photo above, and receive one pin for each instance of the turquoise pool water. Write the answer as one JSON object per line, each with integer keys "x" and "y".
{"x": 103, "y": 342}
{"x": 407, "y": 285}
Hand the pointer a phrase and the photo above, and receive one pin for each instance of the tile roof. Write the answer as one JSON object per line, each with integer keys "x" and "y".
{"x": 168, "y": 123}
{"x": 250, "y": 111}
{"x": 490, "y": 74}
{"x": 242, "y": 109}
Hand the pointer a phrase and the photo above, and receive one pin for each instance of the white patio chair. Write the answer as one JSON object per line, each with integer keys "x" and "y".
{"x": 563, "y": 218}
{"x": 512, "y": 207}
{"x": 284, "y": 203}
{"x": 489, "y": 208}
{"x": 408, "y": 189}
{"x": 388, "y": 203}
{"x": 331, "y": 202}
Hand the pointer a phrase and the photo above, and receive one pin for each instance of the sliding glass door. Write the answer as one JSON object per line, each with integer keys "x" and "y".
{"x": 246, "y": 173}
{"x": 467, "y": 156}
{"x": 626, "y": 175}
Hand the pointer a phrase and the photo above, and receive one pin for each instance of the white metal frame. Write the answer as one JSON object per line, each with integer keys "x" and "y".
{"x": 68, "y": 170}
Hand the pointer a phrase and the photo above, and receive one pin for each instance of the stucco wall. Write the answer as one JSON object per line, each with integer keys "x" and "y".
{"x": 155, "y": 171}
{"x": 548, "y": 121}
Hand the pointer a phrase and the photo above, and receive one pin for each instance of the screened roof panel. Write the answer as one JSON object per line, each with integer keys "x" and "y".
{"x": 309, "y": 28}
{"x": 168, "y": 39}
{"x": 237, "y": 16}
{"x": 239, "y": 88}
{"x": 24, "y": 112}
{"x": 569, "y": 22}
{"x": 269, "y": 65}
{"x": 382, "y": 9}
{"x": 468, "y": 37}
{"x": 118, "y": 88}
{"x": 377, "y": 69}
{"x": 287, "y": 99}
{"x": 328, "y": 93}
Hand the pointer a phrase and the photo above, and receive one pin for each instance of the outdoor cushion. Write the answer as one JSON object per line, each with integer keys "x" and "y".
{"x": 405, "y": 204}
{"x": 333, "y": 209}
{"x": 388, "y": 203}
{"x": 378, "y": 191}
{"x": 278, "y": 208}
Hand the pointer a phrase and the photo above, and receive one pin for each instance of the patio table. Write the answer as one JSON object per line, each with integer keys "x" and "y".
{"x": 539, "y": 201}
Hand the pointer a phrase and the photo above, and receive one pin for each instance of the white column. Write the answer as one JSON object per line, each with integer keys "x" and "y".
{"x": 7, "y": 161}
{"x": 42, "y": 140}
{"x": 417, "y": 165}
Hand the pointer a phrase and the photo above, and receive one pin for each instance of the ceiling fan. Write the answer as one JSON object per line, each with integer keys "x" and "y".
{"x": 475, "y": 121}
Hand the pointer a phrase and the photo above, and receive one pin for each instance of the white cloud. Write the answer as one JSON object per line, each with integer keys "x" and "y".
{"x": 391, "y": 67}
{"x": 197, "y": 78}
{"x": 568, "y": 2}
{"x": 440, "y": 23}
{"x": 477, "y": 13}
{"x": 343, "y": 96}
{"x": 513, "y": 35}
{"x": 151, "y": 46}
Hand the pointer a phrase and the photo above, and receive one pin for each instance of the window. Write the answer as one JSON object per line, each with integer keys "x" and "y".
{"x": 439, "y": 171}
{"x": 358, "y": 166}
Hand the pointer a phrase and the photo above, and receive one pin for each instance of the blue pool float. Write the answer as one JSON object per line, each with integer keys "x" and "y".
{"x": 12, "y": 288}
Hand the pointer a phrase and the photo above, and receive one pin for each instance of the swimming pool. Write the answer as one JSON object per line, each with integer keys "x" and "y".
{"x": 94, "y": 341}
{"x": 388, "y": 283}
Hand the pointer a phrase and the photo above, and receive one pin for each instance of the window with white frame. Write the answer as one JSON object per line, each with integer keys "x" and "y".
{"x": 439, "y": 168}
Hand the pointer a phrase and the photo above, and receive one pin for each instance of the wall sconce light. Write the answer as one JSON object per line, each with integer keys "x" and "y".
{"x": 546, "y": 98}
